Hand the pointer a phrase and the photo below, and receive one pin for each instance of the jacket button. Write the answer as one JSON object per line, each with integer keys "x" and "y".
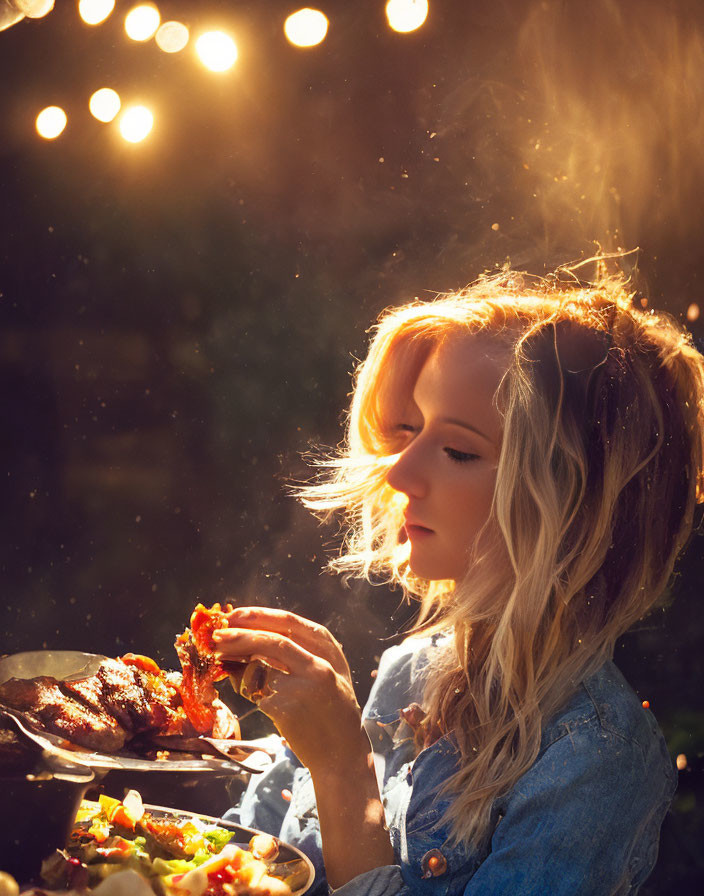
{"x": 433, "y": 864}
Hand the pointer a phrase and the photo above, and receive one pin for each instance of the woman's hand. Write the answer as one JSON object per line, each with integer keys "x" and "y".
{"x": 310, "y": 698}
{"x": 313, "y": 703}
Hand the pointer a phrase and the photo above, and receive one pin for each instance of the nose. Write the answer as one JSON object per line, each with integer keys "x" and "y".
{"x": 408, "y": 474}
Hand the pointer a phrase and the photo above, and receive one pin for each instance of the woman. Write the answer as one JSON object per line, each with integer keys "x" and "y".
{"x": 523, "y": 457}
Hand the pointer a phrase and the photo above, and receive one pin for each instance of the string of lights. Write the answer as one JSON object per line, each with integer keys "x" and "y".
{"x": 215, "y": 49}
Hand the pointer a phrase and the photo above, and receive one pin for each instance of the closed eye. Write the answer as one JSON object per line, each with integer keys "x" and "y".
{"x": 460, "y": 457}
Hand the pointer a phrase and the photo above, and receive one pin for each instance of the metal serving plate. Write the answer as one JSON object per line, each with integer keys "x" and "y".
{"x": 70, "y": 665}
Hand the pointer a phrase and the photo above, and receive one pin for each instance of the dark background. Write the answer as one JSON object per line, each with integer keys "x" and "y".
{"x": 179, "y": 318}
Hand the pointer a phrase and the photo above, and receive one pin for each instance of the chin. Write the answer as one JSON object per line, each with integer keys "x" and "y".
{"x": 430, "y": 571}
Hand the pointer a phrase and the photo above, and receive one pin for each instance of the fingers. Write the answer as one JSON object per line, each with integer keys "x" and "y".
{"x": 313, "y": 637}
{"x": 245, "y": 645}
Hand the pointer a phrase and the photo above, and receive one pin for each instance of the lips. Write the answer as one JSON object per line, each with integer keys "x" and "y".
{"x": 412, "y": 528}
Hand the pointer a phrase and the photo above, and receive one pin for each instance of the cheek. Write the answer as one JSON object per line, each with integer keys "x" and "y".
{"x": 470, "y": 505}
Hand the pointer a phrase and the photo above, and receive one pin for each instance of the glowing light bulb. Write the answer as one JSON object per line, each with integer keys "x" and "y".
{"x": 142, "y": 21}
{"x": 406, "y": 15}
{"x": 172, "y": 37}
{"x": 216, "y": 50}
{"x": 136, "y": 123}
{"x": 9, "y": 15}
{"x": 104, "y": 104}
{"x": 93, "y": 12}
{"x": 13, "y": 11}
{"x": 51, "y": 122}
{"x": 306, "y": 28}
{"x": 34, "y": 9}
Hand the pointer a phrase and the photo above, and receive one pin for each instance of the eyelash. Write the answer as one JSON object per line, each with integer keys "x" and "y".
{"x": 458, "y": 457}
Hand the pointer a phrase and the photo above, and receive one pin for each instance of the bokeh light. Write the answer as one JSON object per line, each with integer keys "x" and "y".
{"x": 51, "y": 122}
{"x": 406, "y": 15}
{"x": 693, "y": 312}
{"x": 34, "y": 9}
{"x": 216, "y": 50}
{"x": 136, "y": 123}
{"x": 104, "y": 104}
{"x": 142, "y": 21}
{"x": 93, "y": 12}
{"x": 172, "y": 37}
{"x": 306, "y": 28}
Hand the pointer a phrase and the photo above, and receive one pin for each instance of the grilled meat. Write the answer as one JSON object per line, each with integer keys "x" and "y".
{"x": 60, "y": 712}
{"x": 104, "y": 711}
{"x": 131, "y": 697}
{"x": 137, "y": 699}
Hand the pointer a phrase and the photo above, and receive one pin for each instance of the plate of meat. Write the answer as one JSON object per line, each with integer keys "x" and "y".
{"x": 128, "y": 713}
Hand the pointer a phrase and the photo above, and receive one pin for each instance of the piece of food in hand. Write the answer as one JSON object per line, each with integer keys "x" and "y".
{"x": 201, "y": 669}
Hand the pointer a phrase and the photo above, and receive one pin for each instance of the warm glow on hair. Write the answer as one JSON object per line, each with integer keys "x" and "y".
{"x": 601, "y": 464}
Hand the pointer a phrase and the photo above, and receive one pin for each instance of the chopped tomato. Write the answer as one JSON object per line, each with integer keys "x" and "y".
{"x": 141, "y": 662}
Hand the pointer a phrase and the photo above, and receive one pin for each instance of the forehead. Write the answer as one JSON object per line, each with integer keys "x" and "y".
{"x": 459, "y": 379}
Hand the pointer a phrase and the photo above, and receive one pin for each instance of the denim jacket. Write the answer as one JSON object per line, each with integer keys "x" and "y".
{"x": 584, "y": 819}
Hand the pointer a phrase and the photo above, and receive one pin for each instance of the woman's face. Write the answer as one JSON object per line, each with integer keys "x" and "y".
{"x": 447, "y": 469}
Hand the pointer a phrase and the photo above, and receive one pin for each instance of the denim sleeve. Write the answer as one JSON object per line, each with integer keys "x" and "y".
{"x": 584, "y": 819}
{"x": 384, "y": 881}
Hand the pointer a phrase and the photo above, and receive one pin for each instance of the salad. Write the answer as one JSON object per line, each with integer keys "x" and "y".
{"x": 177, "y": 855}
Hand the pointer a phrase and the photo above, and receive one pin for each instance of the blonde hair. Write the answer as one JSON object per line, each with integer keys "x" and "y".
{"x": 600, "y": 468}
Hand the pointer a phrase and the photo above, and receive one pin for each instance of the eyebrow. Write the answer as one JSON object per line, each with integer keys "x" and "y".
{"x": 455, "y": 422}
